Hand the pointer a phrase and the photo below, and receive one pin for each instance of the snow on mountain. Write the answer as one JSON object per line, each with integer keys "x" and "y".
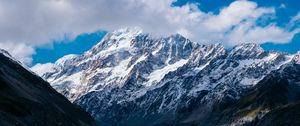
{"x": 130, "y": 75}
{"x": 41, "y": 69}
{"x": 66, "y": 60}
{"x": 296, "y": 58}
{"x": 273, "y": 100}
{"x": 248, "y": 50}
{"x": 158, "y": 74}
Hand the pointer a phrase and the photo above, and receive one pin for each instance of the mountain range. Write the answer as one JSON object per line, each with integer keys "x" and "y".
{"x": 132, "y": 78}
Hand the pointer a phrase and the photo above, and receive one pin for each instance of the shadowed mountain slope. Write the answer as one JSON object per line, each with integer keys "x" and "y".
{"x": 28, "y": 100}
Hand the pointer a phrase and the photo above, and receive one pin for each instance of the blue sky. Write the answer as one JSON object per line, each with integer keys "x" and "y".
{"x": 291, "y": 47}
{"x": 285, "y": 10}
{"x": 78, "y": 45}
{"x": 43, "y": 31}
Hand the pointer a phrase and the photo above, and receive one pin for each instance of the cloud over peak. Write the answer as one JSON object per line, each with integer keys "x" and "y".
{"x": 33, "y": 23}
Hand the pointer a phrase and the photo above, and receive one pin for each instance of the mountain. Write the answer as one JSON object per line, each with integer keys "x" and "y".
{"x": 279, "y": 93}
{"x": 272, "y": 101}
{"x": 131, "y": 78}
{"x": 28, "y": 100}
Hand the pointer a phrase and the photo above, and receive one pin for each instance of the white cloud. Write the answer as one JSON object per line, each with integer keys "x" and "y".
{"x": 234, "y": 14}
{"x": 296, "y": 18}
{"x": 34, "y": 23}
{"x": 270, "y": 33}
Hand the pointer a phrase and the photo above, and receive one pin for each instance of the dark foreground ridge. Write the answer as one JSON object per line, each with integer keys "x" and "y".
{"x": 28, "y": 100}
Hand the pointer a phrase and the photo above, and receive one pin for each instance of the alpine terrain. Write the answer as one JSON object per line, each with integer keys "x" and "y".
{"x": 28, "y": 100}
{"x": 131, "y": 78}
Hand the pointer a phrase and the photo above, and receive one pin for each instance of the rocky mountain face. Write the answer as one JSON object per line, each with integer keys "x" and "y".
{"x": 278, "y": 93}
{"x": 131, "y": 78}
{"x": 272, "y": 101}
{"x": 28, "y": 100}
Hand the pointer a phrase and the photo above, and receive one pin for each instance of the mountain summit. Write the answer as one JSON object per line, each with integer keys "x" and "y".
{"x": 131, "y": 78}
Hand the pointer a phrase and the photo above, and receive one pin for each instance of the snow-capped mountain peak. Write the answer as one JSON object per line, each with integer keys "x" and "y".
{"x": 246, "y": 51}
{"x": 127, "y": 32}
{"x": 115, "y": 41}
{"x": 65, "y": 60}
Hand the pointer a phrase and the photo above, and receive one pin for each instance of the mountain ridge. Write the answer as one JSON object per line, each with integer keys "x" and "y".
{"x": 27, "y": 100}
{"x": 129, "y": 75}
